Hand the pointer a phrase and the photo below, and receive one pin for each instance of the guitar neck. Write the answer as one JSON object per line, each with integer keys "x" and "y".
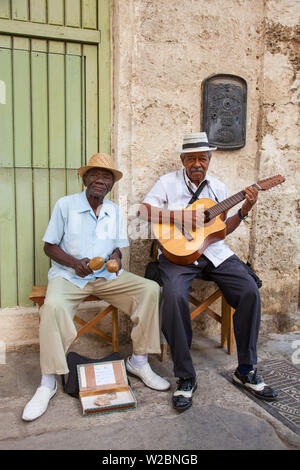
{"x": 223, "y": 206}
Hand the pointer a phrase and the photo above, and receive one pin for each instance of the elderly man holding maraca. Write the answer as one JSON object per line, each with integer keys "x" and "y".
{"x": 83, "y": 239}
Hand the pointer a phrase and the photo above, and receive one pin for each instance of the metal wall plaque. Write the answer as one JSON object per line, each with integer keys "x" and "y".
{"x": 224, "y": 108}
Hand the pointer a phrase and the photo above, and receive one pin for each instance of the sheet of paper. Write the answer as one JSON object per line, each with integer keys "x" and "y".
{"x": 104, "y": 374}
{"x": 82, "y": 377}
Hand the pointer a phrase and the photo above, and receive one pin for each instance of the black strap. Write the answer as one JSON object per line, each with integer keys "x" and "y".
{"x": 199, "y": 189}
{"x": 196, "y": 193}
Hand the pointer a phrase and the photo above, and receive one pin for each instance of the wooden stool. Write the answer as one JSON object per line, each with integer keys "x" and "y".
{"x": 226, "y": 318}
{"x": 38, "y": 294}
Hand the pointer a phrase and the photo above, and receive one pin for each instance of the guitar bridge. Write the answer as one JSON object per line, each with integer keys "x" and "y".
{"x": 185, "y": 233}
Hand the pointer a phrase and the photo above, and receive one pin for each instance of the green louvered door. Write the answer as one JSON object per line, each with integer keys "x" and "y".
{"x": 43, "y": 143}
{"x": 54, "y": 114}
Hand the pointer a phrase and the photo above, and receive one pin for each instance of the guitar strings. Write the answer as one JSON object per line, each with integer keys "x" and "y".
{"x": 224, "y": 205}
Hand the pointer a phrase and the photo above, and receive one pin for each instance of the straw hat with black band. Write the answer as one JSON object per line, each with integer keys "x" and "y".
{"x": 101, "y": 160}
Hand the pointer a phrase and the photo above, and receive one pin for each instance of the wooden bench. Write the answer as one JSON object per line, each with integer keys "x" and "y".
{"x": 38, "y": 294}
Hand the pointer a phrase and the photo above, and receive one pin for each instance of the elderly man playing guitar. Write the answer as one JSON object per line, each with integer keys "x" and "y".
{"x": 167, "y": 201}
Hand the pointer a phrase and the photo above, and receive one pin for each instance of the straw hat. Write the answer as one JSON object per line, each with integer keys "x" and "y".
{"x": 196, "y": 142}
{"x": 101, "y": 160}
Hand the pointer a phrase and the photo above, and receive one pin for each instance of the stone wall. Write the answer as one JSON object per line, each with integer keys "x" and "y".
{"x": 275, "y": 240}
{"x": 162, "y": 51}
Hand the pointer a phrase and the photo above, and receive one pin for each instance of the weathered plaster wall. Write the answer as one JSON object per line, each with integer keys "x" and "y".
{"x": 275, "y": 240}
{"x": 162, "y": 52}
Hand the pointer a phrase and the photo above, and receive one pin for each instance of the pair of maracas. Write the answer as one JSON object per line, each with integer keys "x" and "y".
{"x": 96, "y": 263}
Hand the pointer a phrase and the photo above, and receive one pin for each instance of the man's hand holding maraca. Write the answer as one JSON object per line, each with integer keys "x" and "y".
{"x": 81, "y": 267}
{"x": 115, "y": 264}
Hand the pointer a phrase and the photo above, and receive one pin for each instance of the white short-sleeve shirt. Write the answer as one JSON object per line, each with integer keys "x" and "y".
{"x": 171, "y": 192}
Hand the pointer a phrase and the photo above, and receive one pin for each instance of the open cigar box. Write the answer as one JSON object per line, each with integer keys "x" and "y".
{"x": 104, "y": 388}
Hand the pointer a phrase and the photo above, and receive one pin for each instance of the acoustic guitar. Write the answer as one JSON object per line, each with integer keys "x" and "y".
{"x": 184, "y": 247}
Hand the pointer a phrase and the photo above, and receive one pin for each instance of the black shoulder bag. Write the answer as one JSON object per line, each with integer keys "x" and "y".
{"x": 71, "y": 386}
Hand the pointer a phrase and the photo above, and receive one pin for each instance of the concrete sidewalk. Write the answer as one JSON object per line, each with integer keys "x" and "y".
{"x": 222, "y": 417}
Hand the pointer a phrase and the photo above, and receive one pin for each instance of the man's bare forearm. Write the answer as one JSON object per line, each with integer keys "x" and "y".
{"x": 189, "y": 219}
{"x": 155, "y": 214}
{"x": 57, "y": 254}
{"x": 233, "y": 222}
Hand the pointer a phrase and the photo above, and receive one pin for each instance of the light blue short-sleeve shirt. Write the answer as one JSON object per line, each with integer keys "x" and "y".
{"x": 78, "y": 232}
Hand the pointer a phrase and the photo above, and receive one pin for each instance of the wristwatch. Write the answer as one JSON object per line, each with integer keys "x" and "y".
{"x": 240, "y": 215}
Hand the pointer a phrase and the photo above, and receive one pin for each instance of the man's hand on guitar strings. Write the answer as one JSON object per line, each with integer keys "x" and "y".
{"x": 251, "y": 198}
{"x": 189, "y": 219}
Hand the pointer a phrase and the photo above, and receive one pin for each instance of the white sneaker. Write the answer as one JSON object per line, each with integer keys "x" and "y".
{"x": 38, "y": 403}
{"x": 148, "y": 376}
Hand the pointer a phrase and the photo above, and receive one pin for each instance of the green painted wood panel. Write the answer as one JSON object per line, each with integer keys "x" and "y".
{"x": 56, "y": 80}
{"x": 5, "y": 9}
{"x": 25, "y": 234}
{"x": 5, "y": 41}
{"x": 56, "y": 114}
{"x": 41, "y": 219}
{"x": 104, "y": 76}
{"x": 89, "y": 14}
{"x": 38, "y": 11}
{"x": 21, "y": 43}
{"x": 39, "y": 45}
{"x": 22, "y": 108}
{"x": 83, "y": 104}
{"x": 73, "y": 13}
{"x": 20, "y": 10}
{"x": 73, "y": 112}
{"x": 6, "y": 114}
{"x": 39, "y": 93}
{"x": 8, "y": 268}
{"x": 57, "y": 185}
{"x": 91, "y": 84}
{"x": 74, "y": 182}
{"x": 56, "y": 12}
{"x": 73, "y": 48}
{"x": 56, "y": 47}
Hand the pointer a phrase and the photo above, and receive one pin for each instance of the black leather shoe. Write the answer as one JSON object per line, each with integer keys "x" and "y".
{"x": 254, "y": 384}
{"x": 182, "y": 397}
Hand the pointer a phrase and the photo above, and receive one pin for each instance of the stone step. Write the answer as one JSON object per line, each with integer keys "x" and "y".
{"x": 19, "y": 326}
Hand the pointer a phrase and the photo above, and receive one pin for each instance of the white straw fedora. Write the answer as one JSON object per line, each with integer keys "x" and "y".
{"x": 101, "y": 160}
{"x": 196, "y": 142}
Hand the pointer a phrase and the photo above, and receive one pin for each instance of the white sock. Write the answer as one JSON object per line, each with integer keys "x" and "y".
{"x": 139, "y": 361}
{"x": 48, "y": 380}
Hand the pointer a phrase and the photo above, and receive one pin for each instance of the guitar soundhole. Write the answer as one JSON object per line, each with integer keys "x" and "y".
{"x": 207, "y": 216}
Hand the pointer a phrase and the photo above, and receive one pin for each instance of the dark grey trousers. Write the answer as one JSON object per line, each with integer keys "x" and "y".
{"x": 239, "y": 290}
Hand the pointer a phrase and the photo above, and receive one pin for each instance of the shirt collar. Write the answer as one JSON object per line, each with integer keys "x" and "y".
{"x": 189, "y": 182}
{"x": 85, "y": 206}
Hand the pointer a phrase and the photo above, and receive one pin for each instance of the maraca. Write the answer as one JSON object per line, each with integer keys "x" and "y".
{"x": 96, "y": 263}
{"x": 112, "y": 266}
